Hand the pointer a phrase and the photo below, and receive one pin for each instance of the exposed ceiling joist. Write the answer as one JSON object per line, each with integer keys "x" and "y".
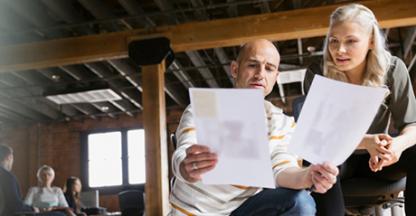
{"x": 29, "y": 98}
{"x": 232, "y": 9}
{"x": 134, "y": 9}
{"x": 225, "y": 61}
{"x": 409, "y": 38}
{"x": 104, "y": 73}
{"x": 194, "y": 56}
{"x": 199, "y": 35}
{"x": 86, "y": 109}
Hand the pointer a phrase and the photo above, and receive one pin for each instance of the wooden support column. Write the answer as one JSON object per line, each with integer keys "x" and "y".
{"x": 154, "y": 117}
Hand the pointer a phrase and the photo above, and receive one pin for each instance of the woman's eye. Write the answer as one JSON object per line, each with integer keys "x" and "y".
{"x": 332, "y": 41}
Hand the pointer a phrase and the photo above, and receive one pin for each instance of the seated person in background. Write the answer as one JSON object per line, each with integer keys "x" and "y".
{"x": 11, "y": 198}
{"x": 45, "y": 197}
{"x": 72, "y": 194}
{"x": 256, "y": 67}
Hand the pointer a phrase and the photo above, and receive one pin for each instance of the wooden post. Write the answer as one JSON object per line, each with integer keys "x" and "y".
{"x": 154, "y": 119}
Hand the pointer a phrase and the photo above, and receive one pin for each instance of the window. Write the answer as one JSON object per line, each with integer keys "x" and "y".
{"x": 136, "y": 158}
{"x": 114, "y": 159}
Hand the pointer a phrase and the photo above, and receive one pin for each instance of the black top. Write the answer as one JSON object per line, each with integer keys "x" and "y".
{"x": 10, "y": 194}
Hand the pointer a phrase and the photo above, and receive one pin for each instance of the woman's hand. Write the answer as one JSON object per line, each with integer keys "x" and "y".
{"x": 377, "y": 146}
{"x": 377, "y": 143}
{"x": 390, "y": 157}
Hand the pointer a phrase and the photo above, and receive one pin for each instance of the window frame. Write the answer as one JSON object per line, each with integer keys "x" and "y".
{"x": 124, "y": 161}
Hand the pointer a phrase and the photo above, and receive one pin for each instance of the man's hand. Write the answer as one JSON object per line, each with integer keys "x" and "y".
{"x": 198, "y": 161}
{"x": 323, "y": 176}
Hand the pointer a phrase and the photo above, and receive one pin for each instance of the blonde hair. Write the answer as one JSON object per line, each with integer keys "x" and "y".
{"x": 44, "y": 169}
{"x": 378, "y": 58}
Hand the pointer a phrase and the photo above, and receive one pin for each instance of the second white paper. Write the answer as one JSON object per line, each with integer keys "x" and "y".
{"x": 334, "y": 119}
{"x": 231, "y": 122}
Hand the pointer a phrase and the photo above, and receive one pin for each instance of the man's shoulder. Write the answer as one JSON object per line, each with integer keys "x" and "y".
{"x": 271, "y": 108}
{"x": 6, "y": 174}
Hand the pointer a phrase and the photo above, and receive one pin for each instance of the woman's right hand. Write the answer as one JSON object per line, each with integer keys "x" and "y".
{"x": 377, "y": 146}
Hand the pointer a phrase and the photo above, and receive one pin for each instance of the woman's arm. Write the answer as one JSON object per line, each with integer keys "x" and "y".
{"x": 406, "y": 139}
{"x": 29, "y": 197}
{"x": 61, "y": 198}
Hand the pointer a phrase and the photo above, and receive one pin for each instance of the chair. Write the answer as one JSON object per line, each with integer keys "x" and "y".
{"x": 90, "y": 201}
{"x": 290, "y": 77}
{"x": 365, "y": 196}
{"x": 131, "y": 202}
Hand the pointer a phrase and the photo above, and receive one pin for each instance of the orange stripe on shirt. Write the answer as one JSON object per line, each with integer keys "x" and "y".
{"x": 241, "y": 187}
{"x": 281, "y": 163}
{"x": 187, "y": 130}
{"x": 293, "y": 125}
{"x": 277, "y": 137}
{"x": 181, "y": 210}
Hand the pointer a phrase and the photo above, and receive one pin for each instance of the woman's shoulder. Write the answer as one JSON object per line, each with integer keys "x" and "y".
{"x": 57, "y": 190}
{"x": 398, "y": 70}
{"x": 34, "y": 189}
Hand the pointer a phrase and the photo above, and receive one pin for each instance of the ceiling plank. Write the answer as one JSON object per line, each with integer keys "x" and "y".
{"x": 194, "y": 56}
{"x": 409, "y": 38}
{"x": 198, "y": 35}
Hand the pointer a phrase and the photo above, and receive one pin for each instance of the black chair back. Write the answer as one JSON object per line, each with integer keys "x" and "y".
{"x": 131, "y": 202}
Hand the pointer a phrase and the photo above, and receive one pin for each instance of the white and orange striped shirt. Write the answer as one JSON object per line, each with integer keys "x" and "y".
{"x": 209, "y": 200}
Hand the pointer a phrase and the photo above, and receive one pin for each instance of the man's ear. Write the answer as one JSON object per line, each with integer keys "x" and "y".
{"x": 234, "y": 69}
{"x": 9, "y": 157}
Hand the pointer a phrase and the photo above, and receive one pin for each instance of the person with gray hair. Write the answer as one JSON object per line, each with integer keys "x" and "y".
{"x": 45, "y": 196}
{"x": 10, "y": 197}
{"x": 355, "y": 52}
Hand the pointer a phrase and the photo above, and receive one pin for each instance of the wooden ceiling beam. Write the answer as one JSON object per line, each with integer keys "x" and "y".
{"x": 302, "y": 23}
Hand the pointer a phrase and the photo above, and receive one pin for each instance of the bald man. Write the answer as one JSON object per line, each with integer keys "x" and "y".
{"x": 256, "y": 67}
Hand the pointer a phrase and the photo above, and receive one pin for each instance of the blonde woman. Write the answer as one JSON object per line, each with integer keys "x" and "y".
{"x": 355, "y": 52}
{"x": 45, "y": 196}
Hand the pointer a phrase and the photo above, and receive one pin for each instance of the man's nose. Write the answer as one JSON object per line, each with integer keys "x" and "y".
{"x": 261, "y": 72}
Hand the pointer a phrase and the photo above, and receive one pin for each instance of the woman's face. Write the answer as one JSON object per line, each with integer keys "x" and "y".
{"x": 47, "y": 177}
{"x": 77, "y": 186}
{"x": 348, "y": 45}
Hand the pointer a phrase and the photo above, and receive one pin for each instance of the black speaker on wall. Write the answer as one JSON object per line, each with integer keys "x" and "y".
{"x": 151, "y": 51}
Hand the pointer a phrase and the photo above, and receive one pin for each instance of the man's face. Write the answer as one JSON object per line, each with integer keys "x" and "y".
{"x": 8, "y": 163}
{"x": 258, "y": 67}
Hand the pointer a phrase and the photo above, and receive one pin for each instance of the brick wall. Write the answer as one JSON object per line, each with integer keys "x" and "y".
{"x": 58, "y": 145}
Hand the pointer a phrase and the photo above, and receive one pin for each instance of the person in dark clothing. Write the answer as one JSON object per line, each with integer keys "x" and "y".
{"x": 11, "y": 202}
{"x": 10, "y": 192}
{"x": 72, "y": 194}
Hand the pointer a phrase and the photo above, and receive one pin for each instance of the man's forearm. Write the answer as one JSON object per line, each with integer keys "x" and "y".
{"x": 294, "y": 178}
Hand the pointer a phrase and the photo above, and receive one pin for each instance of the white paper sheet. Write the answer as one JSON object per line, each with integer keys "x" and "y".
{"x": 334, "y": 119}
{"x": 231, "y": 122}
